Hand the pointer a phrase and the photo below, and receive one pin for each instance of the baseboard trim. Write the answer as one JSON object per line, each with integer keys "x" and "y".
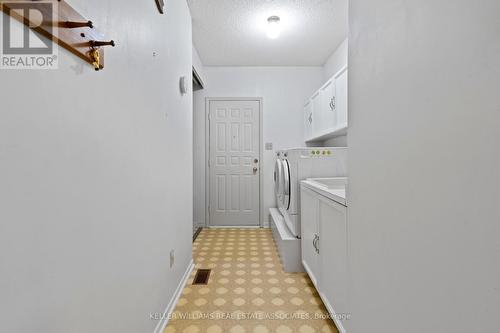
{"x": 333, "y": 314}
{"x": 197, "y": 233}
{"x": 162, "y": 324}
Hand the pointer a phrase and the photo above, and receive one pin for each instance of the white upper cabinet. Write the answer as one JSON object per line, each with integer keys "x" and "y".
{"x": 316, "y": 105}
{"x": 326, "y": 113}
{"x": 340, "y": 102}
{"x": 308, "y": 118}
{"x": 329, "y": 109}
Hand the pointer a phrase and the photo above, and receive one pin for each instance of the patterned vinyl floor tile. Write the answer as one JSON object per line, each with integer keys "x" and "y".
{"x": 248, "y": 291}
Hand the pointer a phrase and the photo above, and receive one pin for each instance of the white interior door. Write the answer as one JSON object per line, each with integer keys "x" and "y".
{"x": 234, "y": 162}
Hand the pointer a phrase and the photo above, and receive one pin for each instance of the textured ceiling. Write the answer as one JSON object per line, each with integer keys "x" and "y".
{"x": 233, "y": 32}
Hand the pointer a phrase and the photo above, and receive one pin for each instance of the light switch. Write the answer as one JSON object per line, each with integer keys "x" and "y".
{"x": 183, "y": 85}
{"x": 269, "y": 146}
{"x": 172, "y": 258}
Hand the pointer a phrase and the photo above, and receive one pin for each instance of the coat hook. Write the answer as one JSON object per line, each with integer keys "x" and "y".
{"x": 72, "y": 25}
{"x": 96, "y": 59}
{"x": 94, "y": 43}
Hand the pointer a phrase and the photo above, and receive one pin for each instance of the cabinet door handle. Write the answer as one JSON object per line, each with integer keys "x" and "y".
{"x": 315, "y": 243}
{"x": 332, "y": 103}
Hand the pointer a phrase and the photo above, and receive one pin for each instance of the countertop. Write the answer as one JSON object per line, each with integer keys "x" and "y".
{"x": 336, "y": 192}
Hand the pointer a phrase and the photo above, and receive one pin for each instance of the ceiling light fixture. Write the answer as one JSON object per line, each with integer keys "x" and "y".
{"x": 273, "y": 27}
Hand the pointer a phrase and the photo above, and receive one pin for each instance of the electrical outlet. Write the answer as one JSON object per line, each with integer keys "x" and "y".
{"x": 172, "y": 258}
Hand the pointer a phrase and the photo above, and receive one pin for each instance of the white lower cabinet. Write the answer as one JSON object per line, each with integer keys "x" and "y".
{"x": 324, "y": 249}
{"x": 333, "y": 255}
{"x": 310, "y": 233}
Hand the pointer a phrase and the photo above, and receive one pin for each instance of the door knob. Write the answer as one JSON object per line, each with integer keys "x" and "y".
{"x": 255, "y": 170}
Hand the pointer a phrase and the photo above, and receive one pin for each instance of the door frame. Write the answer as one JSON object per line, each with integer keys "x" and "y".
{"x": 207, "y": 154}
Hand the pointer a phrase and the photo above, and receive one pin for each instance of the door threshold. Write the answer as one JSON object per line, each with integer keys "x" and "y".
{"x": 235, "y": 226}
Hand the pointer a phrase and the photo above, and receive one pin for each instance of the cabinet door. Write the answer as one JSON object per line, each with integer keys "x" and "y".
{"x": 333, "y": 255}
{"x": 328, "y": 108}
{"x": 308, "y": 119}
{"x": 317, "y": 115}
{"x": 323, "y": 111}
{"x": 309, "y": 206}
{"x": 341, "y": 98}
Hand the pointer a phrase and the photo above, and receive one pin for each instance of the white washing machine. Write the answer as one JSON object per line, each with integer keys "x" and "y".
{"x": 294, "y": 165}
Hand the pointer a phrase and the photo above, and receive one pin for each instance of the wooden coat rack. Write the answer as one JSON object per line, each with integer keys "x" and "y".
{"x": 67, "y": 28}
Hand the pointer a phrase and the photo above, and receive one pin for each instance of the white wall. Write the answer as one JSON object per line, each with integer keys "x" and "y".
{"x": 284, "y": 90}
{"x": 198, "y": 147}
{"x": 340, "y": 141}
{"x": 335, "y": 63}
{"x": 424, "y": 209}
{"x": 90, "y": 162}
